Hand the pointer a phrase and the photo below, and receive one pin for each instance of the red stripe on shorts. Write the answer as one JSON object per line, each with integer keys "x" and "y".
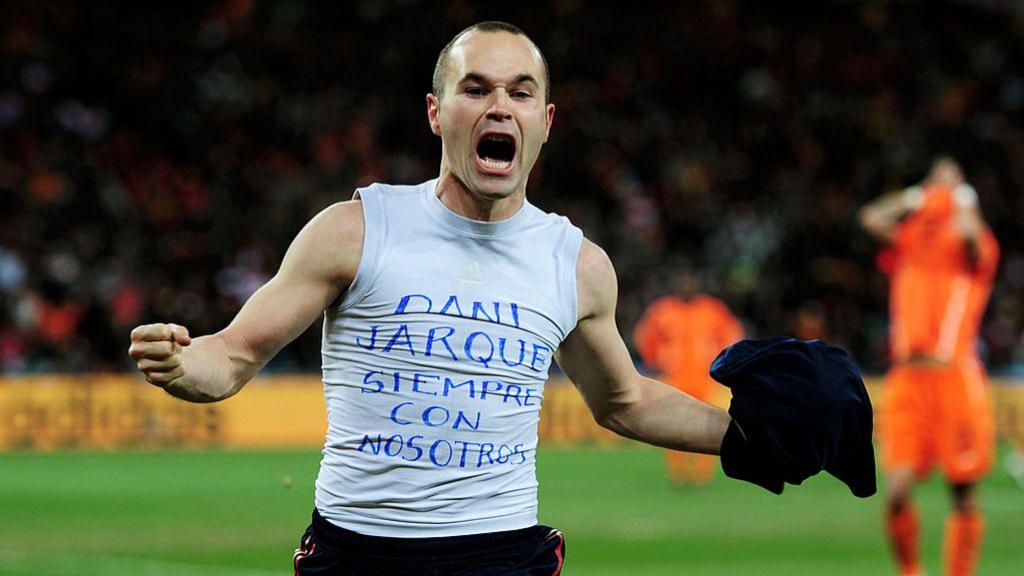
{"x": 559, "y": 553}
{"x": 303, "y": 552}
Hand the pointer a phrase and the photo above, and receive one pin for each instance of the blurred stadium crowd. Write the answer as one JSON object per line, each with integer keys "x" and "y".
{"x": 156, "y": 162}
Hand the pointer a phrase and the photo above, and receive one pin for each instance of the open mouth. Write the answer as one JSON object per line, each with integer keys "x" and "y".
{"x": 495, "y": 152}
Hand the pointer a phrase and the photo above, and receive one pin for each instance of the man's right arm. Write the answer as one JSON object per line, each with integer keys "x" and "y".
{"x": 881, "y": 216}
{"x": 318, "y": 266}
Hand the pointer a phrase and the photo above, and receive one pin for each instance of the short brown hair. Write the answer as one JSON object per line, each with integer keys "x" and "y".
{"x": 489, "y": 26}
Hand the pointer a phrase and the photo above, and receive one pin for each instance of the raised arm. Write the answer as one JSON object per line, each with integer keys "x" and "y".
{"x": 318, "y": 266}
{"x": 881, "y": 216}
{"x": 596, "y": 360}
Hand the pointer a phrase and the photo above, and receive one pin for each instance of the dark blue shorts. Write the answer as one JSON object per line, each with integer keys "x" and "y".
{"x": 328, "y": 549}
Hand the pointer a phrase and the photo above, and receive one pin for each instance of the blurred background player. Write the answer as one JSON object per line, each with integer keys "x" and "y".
{"x": 679, "y": 336}
{"x": 936, "y": 409}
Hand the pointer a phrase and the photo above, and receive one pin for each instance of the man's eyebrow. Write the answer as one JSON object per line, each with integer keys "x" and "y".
{"x": 523, "y": 78}
{"x": 483, "y": 79}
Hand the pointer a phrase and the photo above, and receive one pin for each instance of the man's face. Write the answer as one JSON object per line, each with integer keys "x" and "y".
{"x": 492, "y": 118}
{"x": 946, "y": 171}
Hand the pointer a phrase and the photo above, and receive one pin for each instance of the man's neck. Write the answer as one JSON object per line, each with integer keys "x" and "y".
{"x": 459, "y": 199}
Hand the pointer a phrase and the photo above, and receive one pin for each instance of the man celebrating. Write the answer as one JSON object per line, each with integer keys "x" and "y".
{"x": 444, "y": 304}
{"x": 936, "y": 404}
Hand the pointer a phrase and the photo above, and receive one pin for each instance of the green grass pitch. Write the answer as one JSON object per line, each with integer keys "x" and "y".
{"x": 224, "y": 513}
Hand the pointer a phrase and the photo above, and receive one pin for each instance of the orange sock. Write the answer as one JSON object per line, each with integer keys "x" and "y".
{"x": 678, "y": 468}
{"x": 903, "y": 532}
{"x": 703, "y": 468}
{"x": 963, "y": 542}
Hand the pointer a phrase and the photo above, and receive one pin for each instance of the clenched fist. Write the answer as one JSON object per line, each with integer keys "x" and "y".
{"x": 156, "y": 349}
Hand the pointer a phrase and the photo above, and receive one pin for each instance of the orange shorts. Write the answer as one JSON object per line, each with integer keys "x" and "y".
{"x": 938, "y": 416}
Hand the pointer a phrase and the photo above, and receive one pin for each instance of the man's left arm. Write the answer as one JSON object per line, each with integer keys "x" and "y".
{"x": 620, "y": 398}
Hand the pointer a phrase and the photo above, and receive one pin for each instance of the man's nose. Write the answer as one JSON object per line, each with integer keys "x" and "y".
{"x": 499, "y": 110}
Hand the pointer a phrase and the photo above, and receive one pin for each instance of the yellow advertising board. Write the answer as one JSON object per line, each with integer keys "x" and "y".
{"x": 118, "y": 411}
{"x": 113, "y": 411}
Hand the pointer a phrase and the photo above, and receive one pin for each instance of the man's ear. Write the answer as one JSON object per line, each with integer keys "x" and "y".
{"x": 433, "y": 114}
{"x": 551, "y": 118}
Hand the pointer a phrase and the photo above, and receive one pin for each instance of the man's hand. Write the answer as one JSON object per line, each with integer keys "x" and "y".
{"x": 156, "y": 349}
{"x": 318, "y": 266}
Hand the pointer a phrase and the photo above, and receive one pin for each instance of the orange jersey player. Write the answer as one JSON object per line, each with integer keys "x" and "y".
{"x": 936, "y": 410}
{"x": 679, "y": 336}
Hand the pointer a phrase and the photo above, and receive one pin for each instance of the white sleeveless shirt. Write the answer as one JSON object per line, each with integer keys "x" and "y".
{"x": 434, "y": 363}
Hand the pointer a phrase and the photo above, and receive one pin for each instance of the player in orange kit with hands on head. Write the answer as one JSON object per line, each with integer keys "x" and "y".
{"x": 679, "y": 336}
{"x": 936, "y": 409}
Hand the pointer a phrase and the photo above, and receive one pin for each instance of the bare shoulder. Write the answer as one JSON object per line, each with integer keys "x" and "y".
{"x": 341, "y": 220}
{"x": 330, "y": 245}
{"x": 596, "y": 282}
{"x": 593, "y": 267}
